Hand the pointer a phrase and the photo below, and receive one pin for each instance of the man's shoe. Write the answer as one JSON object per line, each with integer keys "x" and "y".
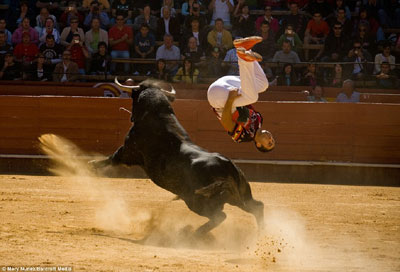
{"x": 248, "y": 55}
{"x": 247, "y": 43}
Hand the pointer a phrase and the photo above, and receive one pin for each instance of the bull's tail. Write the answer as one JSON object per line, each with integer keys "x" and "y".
{"x": 225, "y": 189}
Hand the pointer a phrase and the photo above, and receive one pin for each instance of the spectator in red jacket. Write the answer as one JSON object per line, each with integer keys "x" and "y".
{"x": 26, "y": 51}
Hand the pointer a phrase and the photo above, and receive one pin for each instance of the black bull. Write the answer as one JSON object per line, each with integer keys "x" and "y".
{"x": 161, "y": 146}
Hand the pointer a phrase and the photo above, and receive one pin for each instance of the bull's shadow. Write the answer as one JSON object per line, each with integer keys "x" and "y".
{"x": 186, "y": 237}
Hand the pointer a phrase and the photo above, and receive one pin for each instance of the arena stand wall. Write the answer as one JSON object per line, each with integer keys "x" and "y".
{"x": 316, "y": 142}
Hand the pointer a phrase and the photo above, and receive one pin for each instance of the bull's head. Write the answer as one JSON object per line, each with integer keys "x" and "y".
{"x": 165, "y": 87}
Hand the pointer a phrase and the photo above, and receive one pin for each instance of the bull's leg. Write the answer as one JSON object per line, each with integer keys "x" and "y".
{"x": 216, "y": 219}
{"x": 256, "y": 208}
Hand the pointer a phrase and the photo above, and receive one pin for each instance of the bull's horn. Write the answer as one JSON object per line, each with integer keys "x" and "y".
{"x": 170, "y": 93}
{"x": 124, "y": 87}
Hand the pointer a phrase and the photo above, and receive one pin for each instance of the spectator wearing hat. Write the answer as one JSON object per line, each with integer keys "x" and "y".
{"x": 95, "y": 35}
{"x": 10, "y": 70}
{"x": 213, "y": 65}
{"x": 25, "y": 28}
{"x": 67, "y": 70}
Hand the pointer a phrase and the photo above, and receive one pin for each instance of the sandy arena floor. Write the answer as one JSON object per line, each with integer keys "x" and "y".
{"x": 102, "y": 224}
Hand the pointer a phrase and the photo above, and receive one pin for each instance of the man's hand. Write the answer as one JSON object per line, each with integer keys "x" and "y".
{"x": 233, "y": 94}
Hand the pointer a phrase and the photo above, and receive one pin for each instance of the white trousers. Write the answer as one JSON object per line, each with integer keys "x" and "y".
{"x": 252, "y": 80}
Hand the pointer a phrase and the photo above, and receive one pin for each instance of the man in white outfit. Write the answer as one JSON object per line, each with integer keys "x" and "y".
{"x": 232, "y": 96}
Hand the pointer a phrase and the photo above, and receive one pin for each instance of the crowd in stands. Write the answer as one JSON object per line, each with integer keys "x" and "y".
{"x": 305, "y": 42}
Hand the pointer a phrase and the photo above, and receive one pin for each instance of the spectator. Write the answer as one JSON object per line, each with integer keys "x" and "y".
{"x": 375, "y": 31}
{"x": 41, "y": 20}
{"x": 161, "y": 71}
{"x": 195, "y": 14}
{"x": 290, "y": 35}
{"x": 385, "y": 56}
{"x": 274, "y": 4}
{"x": 38, "y": 71}
{"x": 3, "y": 28}
{"x": 316, "y": 32}
{"x": 388, "y": 12}
{"x": 67, "y": 70}
{"x": 319, "y": 6}
{"x": 101, "y": 60}
{"x": 335, "y": 79}
{"x": 310, "y": 77}
{"x": 52, "y": 6}
{"x": 169, "y": 52}
{"x": 144, "y": 47}
{"x": 97, "y": 12}
{"x": 266, "y": 48}
{"x": 221, "y": 9}
{"x": 220, "y": 37}
{"x": 273, "y": 22}
{"x": 237, "y": 8}
{"x": 243, "y": 25}
{"x": 286, "y": 55}
{"x": 349, "y": 94}
{"x": 367, "y": 41}
{"x": 386, "y": 78}
{"x": 147, "y": 18}
{"x": 95, "y": 35}
{"x": 79, "y": 52}
{"x": 347, "y": 25}
{"x": 120, "y": 38}
{"x": 187, "y": 73}
{"x": 69, "y": 31}
{"x": 288, "y": 76}
{"x": 26, "y": 51}
{"x": 335, "y": 44}
{"x": 49, "y": 29}
{"x": 197, "y": 32}
{"x": 52, "y": 53}
{"x": 358, "y": 55}
{"x": 124, "y": 7}
{"x": 25, "y": 27}
{"x": 170, "y": 5}
{"x": 10, "y": 70}
{"x": 168, "y": 25}
{"x": 4, "y": 47}
{"x": 341, "y": 5}
{"x": 70, "y": 12}
{"x": 104, "y": 5}
{"x": 316, "y": 94}
{"x": 231, "y": 61}
{"x": 297, "y": 20}
{"x": 24, "y": 12}
{"x": 213, "y": 65}
{"x": 193, "y": 52}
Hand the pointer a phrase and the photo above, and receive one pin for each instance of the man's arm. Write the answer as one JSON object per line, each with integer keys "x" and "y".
{"x": 226, "y": 118}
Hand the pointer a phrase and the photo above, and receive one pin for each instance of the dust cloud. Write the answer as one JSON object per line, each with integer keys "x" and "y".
{"x": 285, "y": 236}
